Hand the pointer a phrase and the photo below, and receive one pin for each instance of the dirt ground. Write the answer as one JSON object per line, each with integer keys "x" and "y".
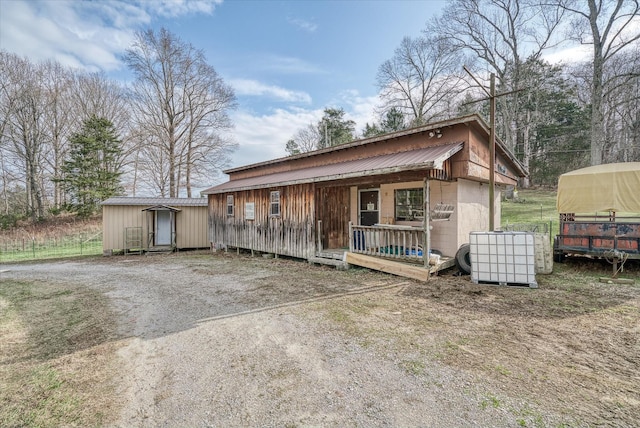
{"x": 226, "y": 340}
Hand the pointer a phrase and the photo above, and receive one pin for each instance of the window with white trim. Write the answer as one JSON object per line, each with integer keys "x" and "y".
{"x": 409, "y": 204}
{"x": 230, "y": 205}
{"x": 274, "y": 208}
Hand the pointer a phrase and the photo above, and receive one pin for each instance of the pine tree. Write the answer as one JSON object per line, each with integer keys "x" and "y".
{"x": 91, "y": 173}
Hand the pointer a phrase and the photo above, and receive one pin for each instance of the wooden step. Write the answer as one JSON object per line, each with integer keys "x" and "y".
{"x": 339, "y": 264}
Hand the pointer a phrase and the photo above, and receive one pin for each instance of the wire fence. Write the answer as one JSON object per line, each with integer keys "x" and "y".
{"x": 32, "y": 248}
{"x": 549, "y": 228}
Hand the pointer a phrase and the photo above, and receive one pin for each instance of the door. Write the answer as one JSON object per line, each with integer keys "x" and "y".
{"x": 163, "y": 228}
{"x": 369, "y": 207}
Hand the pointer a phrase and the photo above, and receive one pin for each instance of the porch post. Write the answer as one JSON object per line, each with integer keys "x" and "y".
{"x": 426, "y": 247}
{"x": 350, "y": 237}
{"x": 319, "y": 237}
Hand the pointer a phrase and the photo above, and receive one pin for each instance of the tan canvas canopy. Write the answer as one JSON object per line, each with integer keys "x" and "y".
{"x": 600, "y": 188}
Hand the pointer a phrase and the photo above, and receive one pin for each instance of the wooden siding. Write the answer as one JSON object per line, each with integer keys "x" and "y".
{"x": 420, "y": 140}
{"x": 191, "y": 226}
{"x": 291, "y": 233}
{"x": 334, "y": 207}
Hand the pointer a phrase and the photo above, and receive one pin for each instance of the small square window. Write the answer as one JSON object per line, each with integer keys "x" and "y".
{"x": 230, "y": 205}
{"x": 274, "y": 209}
{"x": 409, "y": 204}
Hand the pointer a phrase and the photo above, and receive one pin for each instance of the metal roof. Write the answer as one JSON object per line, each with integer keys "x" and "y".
{"x": 473, "y": 120}
{"x": 174, "y": 202}
{"x": 412, "y": 160}
{"x": 162, "y": 208}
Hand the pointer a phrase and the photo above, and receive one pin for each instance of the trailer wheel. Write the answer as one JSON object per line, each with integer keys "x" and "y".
{"x": 558, "y": 255}
{"x": 463, "y": 259}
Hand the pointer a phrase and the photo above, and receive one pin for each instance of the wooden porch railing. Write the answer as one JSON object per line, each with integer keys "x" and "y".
{"x": 404, "y": 243}
{"x": 275, "y": 236}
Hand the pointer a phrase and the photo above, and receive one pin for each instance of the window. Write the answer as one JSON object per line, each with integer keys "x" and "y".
{"x": 230, "y": 205}
{"x": 274, "y": 210}
{"x": 409, "y": 204}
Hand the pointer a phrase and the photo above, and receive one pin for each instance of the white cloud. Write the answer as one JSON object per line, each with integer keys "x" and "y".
{"x": 264, "y": 137}
{"x": 303, "y": 24}
{"x": 89, "y": 35}
{"x": 360, "y": 109}
{"x": 570, "y": 55}
{"x": 255, "y": 88}
{"x": 175, "y": 8}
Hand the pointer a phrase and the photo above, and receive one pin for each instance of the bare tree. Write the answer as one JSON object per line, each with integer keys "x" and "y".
{"x": 25, "y": 127}
{"x": 501, "y": 35}
{"x": 609, "y": 27}
{"x": 59, "y": 121}
{"x": 620, "y": 105}
{"x": 420, "y": 79}
{"x": 307, "y": 139}
{"x": 182, "y": 105}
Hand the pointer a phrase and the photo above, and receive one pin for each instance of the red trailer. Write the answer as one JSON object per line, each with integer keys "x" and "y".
{"x": 599, "y": 210}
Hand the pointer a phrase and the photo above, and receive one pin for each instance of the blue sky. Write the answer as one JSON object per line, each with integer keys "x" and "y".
{"x": 286, "y": 60}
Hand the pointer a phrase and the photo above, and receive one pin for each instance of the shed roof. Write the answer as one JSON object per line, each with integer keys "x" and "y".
{"x": 174, "y": 202}
{"x": 412, "y": 160}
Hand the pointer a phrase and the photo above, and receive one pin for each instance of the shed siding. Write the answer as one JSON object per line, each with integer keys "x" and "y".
{"x": 115, "y": 218}
{"x": 191, "y": 226}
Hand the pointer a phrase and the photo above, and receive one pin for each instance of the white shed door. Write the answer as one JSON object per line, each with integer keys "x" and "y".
{"x": 163, "y": 228}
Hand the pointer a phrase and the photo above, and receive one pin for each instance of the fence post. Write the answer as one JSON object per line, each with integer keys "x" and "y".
{"x": 33, "y": 247}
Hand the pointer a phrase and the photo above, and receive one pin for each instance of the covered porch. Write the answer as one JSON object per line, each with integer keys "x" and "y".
{"x": 161, "y": 228}
{"x": 394, "y": 249}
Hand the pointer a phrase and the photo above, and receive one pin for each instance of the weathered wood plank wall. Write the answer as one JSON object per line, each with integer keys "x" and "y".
{"x": 291, "y": 233}
{"x": 334, "y": 205}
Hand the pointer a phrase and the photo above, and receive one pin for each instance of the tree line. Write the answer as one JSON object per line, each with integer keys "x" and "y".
{"x": 553, "y": 117}
{"x": 66, "y": 133}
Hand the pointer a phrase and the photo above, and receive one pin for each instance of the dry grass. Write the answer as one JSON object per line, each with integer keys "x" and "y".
{"x": 570, "y": 347}
{"x": 55, "y": 228}
{"x": 56, "y": 356}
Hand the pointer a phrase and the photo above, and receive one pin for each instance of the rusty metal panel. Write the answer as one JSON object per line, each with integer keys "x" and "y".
{"x": 599, "y": 236}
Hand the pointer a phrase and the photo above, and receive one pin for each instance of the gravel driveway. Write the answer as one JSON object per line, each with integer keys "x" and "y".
{"x": 221, "y": 340}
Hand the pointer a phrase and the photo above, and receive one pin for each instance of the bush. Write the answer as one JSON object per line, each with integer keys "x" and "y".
{"x": 8, "y": 221}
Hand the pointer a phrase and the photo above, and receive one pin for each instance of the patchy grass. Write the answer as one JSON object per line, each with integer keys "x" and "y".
{"x": 567, "y": 349}
{"x": 55, "y": 356}
{"x": 535, "y": 206}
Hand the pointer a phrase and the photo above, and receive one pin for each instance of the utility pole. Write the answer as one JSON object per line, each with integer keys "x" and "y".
{"x": 491, "y": 96}
{"x": 492, "y": 152}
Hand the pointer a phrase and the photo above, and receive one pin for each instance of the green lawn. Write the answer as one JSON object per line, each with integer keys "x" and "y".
{"x": 72, "y": 246}
{"x": 532, "y": 207}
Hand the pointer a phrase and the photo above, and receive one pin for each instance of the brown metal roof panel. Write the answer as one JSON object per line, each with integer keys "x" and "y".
{"x": 426, "y": 158}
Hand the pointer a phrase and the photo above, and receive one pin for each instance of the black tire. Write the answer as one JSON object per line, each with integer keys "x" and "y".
{"x": 463, "y": 259}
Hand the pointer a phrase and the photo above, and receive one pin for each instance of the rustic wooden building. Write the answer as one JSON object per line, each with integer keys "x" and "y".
{"x": 397, "y": 196}
{"x": 153, "y": 224}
